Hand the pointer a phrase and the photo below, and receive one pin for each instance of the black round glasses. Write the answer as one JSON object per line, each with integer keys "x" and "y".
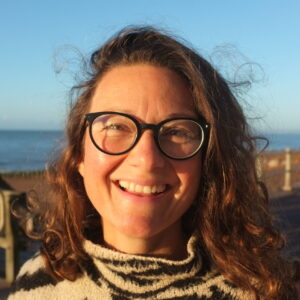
{"x": 116, "y": 133}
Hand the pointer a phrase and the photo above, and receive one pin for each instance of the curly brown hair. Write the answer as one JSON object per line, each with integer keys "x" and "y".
{"x": 231, "y": 212}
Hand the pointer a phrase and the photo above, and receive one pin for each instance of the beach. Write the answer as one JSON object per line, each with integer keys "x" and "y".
{"x": 26, "y": 182}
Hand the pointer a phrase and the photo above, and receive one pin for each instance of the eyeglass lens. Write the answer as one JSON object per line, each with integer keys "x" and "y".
{"x": 180, "y": 138}
{"x": 115, "y": 134}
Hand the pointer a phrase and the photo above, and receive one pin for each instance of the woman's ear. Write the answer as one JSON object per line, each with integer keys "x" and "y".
{"x": 81, "y": 168}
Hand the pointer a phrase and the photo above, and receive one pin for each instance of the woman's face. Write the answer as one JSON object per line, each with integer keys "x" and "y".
{"x": 150, "y": 94}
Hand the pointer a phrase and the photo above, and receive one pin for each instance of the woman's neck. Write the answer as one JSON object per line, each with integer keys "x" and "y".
{"x": 169, "y": 244}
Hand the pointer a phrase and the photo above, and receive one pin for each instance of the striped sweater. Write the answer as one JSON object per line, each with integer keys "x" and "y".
{"x": 118, "y": 276}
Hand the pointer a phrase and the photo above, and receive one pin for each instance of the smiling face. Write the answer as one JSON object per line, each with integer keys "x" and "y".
{"x": 141, "y": 194}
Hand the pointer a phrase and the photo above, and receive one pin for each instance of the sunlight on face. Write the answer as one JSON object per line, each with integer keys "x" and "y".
{"x": 142, "y": 193}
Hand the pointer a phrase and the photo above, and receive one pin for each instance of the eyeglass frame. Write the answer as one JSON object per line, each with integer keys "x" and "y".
{"x": 201, "y": 121}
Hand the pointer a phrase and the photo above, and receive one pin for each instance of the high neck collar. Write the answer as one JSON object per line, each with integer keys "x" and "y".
{"x": 122, "y": 264}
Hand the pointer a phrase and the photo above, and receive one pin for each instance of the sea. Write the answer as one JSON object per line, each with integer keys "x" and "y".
{"x": 30, "y": 150}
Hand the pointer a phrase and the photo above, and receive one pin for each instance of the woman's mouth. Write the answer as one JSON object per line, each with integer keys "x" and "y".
{"x": 142, "y": 189}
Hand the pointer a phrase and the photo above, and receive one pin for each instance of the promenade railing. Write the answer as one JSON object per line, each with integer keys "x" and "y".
{"x": 280, "y": 170}
{"x": 9, "y": 233}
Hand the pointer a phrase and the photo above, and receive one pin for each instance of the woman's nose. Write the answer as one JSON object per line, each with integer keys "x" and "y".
{"x": 146, "y": 154}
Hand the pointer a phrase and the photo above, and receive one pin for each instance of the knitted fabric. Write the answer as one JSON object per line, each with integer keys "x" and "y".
{"x": 117, "y": 276}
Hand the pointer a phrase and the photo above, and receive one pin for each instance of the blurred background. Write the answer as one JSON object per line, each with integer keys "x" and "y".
{"x": 43, "y": 44}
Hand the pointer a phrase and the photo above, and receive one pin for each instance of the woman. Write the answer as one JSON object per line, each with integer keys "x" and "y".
{"x": 156, "y": 194}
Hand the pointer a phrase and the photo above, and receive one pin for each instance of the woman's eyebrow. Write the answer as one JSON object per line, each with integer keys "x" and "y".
{"x": 185, "y": 114}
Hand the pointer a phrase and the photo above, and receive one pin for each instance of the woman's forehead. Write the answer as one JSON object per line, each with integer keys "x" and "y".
{"x": 143, "y": 87}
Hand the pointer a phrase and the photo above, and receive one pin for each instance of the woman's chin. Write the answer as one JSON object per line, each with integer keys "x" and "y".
{"x": 136, "y": 228}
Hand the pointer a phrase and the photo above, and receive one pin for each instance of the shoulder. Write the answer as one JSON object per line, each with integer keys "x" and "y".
{"x": 34, "y": 283}
{"x": 216, "y": 286}
{"x": 32, "y": 279}
{"x": 221, "y": 288}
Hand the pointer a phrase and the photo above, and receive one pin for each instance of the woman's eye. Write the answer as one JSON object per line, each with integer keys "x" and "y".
{"x": 178, "y": 134}
{"x": 117, "y": 129}
{"x": 114, "y": 127}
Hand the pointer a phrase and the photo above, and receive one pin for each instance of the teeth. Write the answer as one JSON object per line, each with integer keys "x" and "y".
{"x": 142, "y": 189}
{"x": 160, "y": 188}
{"x": 153, "y": 189}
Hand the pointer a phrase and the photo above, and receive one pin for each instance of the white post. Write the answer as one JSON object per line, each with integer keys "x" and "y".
{"x": 258, "y": 166}
{"x": 288, "y": 169}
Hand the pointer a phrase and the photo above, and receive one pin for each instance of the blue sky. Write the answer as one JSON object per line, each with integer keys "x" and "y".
{"x": 35, "y": 34}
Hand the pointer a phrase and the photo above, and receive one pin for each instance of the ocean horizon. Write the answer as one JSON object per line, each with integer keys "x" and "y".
{"x": 30, "y": 150}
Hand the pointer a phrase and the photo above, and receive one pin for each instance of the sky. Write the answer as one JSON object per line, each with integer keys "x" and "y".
{"x": 42, "y": 42}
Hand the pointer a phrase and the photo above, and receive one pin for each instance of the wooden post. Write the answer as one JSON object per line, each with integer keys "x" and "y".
{"x": 7, "y": 241}
{"x": 258, "y": 166}
{"x": 288, "y": 169}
